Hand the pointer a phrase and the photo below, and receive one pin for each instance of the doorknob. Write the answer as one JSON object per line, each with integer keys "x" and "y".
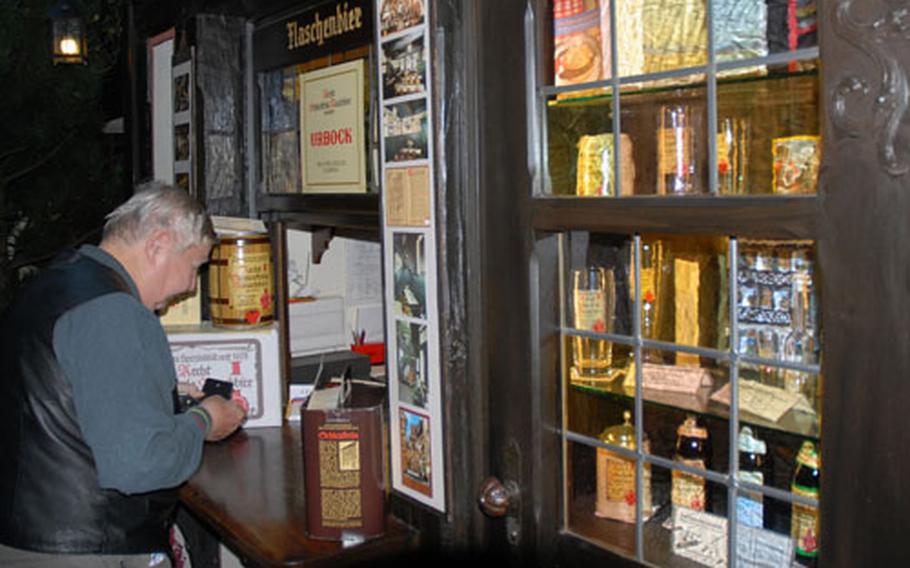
{"x": 496, "y": 497}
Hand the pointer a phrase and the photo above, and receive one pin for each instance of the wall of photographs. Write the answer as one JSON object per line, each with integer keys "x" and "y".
{"x": 409, "y": 239}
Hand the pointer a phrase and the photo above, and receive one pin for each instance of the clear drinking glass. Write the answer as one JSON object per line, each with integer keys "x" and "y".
{"x": 594, "y": 303}
{"x": 676, "y": 151}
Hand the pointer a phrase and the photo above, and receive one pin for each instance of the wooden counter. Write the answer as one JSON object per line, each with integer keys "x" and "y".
{"x": 249, "y": 492}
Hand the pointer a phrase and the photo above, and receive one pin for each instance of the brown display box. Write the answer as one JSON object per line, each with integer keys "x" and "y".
{"x": 343, "y": 462}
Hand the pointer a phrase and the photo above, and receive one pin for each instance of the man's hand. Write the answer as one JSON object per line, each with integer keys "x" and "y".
{"x": 226, "y": 417}
{"x": 190, "y": 389}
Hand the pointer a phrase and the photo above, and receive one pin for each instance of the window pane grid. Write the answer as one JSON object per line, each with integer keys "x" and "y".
{"x": 730, "y": 356}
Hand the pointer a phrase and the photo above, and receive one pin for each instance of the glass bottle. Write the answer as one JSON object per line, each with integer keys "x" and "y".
{"x": 676, "y": 151}
{"x": 732, "y": 155}
{"x": 799, "y": 346}
{"x": 616, "y": 497}
{"x": 752, "y": 466}
{"x": 594, "y": 299}
{"x": 688, "y": 490}
{"x": 651, "y": 259}
{"x": 804, "y": 520}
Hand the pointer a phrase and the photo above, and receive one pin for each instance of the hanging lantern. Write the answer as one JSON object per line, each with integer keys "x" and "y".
{"x": 67, "y": 34}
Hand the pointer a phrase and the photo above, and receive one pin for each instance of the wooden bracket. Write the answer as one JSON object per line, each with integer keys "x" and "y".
{"x": 320, "y": 242}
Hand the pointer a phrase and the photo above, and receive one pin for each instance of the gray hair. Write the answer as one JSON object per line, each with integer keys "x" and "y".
{"x": 156, "y": 205}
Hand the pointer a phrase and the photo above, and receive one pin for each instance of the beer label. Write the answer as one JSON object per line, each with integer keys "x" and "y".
{"x": 804, "y": 524}
{"x": 616, "y": 498}
{"x": 621, "y": 480}
{"x": 251, "y": 277}
{"x": 339, "y": 475}
{"x": 590, "y": 308}
{"x": 689, "y": 490}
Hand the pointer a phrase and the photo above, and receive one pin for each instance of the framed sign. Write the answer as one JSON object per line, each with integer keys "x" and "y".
{"x": 332, "y": 147}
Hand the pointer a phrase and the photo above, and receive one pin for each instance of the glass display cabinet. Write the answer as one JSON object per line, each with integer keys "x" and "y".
{"x": 676, "y": 253}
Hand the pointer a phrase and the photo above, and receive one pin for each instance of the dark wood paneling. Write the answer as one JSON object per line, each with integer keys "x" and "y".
{"x": 864, "y": 231}
{"x": 765, "y": 217}
{"x": 505, "y": 185}
{"x": 462, "y": 335}
{"x": 547, "y": 406}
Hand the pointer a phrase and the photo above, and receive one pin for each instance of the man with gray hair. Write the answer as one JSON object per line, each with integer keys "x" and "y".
{"x": 93, "y": 446}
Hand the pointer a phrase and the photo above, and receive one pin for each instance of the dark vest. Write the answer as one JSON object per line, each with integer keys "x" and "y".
{"x": 50, "y": 500}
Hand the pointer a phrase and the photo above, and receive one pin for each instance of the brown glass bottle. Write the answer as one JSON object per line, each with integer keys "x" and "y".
{"x": 689, "y": 490}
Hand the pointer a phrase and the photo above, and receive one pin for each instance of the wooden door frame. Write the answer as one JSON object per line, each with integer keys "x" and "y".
{"x": 864, "y": 228}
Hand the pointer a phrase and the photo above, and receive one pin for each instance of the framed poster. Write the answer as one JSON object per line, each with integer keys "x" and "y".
{"x": 332, "y": 147}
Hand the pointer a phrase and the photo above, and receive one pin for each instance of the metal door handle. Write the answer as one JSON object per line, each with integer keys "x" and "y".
{"x": 496, "y": 497}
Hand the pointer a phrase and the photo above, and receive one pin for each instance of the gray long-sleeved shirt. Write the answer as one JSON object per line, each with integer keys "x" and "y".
{"x": 117, "y": 358}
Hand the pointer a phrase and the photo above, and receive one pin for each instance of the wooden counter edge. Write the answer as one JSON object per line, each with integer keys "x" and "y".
{"x": 399, "y": 538}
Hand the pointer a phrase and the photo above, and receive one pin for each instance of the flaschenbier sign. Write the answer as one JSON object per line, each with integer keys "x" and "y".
{"x": 329, "y": 28}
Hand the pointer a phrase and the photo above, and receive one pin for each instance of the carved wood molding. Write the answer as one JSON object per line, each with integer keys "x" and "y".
{"x": 874, "y": 99}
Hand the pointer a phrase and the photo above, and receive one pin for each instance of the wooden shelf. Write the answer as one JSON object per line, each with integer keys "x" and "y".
{"x": 774, "y": 217}
{"x": 356, "y": 215}
{"x": 793, "y": 422}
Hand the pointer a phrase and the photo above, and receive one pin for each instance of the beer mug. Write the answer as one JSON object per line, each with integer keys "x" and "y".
{"x": 594, "y": 303}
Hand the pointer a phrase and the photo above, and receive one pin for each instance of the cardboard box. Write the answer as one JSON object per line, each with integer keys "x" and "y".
{"x": 249, "y": 358}
{"x": 188, "y": 311}
{"x": 343, "y": 458}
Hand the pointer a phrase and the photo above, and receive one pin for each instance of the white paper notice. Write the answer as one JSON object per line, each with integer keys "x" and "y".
{"x": 671, "y": 378}
{"x": 764, "y": 401}
{"x": 364, "y": 272}
{"x": 758, "y": 548}
{"x": 700, "y": 536}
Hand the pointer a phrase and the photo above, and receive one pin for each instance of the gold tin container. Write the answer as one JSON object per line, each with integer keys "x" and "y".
{"x": 241, "y": 283}
{"x": 616, "y": 497}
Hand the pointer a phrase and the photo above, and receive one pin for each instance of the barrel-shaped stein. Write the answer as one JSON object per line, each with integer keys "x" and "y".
{"x": 240, "y": 281}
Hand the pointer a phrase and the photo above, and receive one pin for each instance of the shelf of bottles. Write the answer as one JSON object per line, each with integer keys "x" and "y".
{"x": 664, "y": 331}
{"x": 690, "y": 377}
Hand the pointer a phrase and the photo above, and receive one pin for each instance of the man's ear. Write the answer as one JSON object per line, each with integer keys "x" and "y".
{"x": 158, "y": 245}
